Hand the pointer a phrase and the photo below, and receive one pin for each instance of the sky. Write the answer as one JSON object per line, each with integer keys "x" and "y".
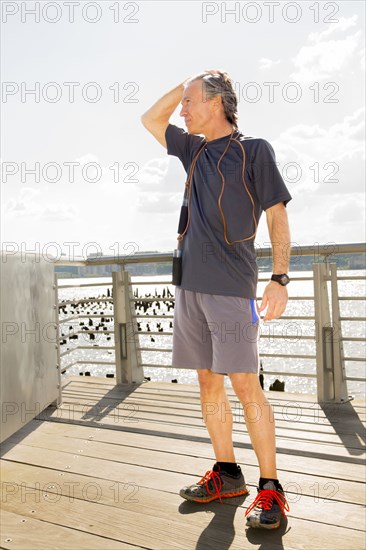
{"x": 81, "y": 175}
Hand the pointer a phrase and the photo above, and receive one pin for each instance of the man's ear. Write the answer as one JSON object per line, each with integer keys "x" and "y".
{"x": 216, "y": 103}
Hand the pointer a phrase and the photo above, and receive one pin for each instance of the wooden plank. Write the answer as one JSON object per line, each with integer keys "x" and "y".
{"x": 297, "y": 459}
{"x": 28, "y": 533}
{"x": 161, "y": 520}
{"x": 133, "y": 495}
{"x": 108, "y": 383}
{"x": 183, "y": 401}
{"x": 301, "y": 485}
{"x": 348, "y": 491}
{"x": 164, "y": 423}
{"x": 293, "y": 426}
{"x": 99, "y": 519}
{"x": 184, "y": 390}
{"x": 333, "y": 411}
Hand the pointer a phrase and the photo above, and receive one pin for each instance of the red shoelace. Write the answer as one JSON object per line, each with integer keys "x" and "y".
{"x": 265, "y": 499}
{"x": 216, "y": 480}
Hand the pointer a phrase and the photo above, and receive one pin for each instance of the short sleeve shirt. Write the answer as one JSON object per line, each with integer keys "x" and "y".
{"x": 209, "y": 264}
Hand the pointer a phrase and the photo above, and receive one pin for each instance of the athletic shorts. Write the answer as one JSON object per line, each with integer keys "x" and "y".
{"x": 215, "y": 332}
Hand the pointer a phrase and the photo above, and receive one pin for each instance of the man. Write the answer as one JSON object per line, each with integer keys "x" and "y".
{"x": 233, "y": 178}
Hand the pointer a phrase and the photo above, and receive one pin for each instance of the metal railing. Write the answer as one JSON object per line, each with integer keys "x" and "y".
{"x": 327, "y": 337}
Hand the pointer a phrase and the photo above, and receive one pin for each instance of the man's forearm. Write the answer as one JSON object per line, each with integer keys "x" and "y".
{"x": 166, "y": 105}
{"x": 279, "y": 233}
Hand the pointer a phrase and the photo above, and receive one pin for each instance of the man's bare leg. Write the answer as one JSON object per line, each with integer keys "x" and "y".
{"x": 259, "y": 420}
{"x": 216, "y": 413}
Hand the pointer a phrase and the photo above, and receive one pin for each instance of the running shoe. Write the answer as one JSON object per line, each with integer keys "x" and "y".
{"x": 215, "y": 484}
{"x": 268, "y": 507}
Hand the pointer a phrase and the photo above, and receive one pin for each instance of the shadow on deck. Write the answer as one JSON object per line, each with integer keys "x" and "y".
{"x": 104, "y": 471}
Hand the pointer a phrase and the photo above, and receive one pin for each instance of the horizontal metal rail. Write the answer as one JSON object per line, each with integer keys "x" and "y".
{"x": 86, "y": 316}
{"x": 169, "y": 316}
{"x": 91, "y": 362}
{"x": 152, "y": 299}
{"x": 289, "y": 356}
{"x": 154, "y": 333}
{"x": 66, "y": 367}
{"x": 169, "y": 283}
{"x": 278, "y": 336}
{"x": 169, "y": 350}
{"x": 84, "y": 285}
{"x": 264, "y": 372}
{"x": 285, "y": 355}
{"x": 94, "y": 347}
{"x": 352, "y": 318}
{"x": 327, "y": 250}
{"x": 351, "y": 278}
{"x": 83, "y": 301}
{"x": 349, "y": 298}
{"x": 86, "y": 332}
{"x": 280, "y": 373}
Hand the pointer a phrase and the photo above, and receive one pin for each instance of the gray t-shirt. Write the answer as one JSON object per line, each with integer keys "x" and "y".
{"x": 210, "y": 264}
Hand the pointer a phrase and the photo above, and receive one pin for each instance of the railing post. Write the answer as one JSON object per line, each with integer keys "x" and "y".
{"x": 331, "y": 383}
{"x": 127, "y": 356}
{"x": 340, "y": 382}
{"x": 58, "y": 402}
{"x": 324, "y": 370}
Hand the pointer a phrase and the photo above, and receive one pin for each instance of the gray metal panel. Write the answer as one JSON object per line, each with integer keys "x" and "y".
{"x": 30, "y": 379}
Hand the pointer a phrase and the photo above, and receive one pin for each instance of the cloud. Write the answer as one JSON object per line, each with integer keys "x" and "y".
{"x": 60, "y": 213}
{"x": 161, "y": 186}
{"x": 330, "y": 159}
{"x": 327, "y": 55}
{"x": 88, "y": 157}
{"x": 22, "y": 204}
{"x": 326, "y": 219}
{"x": 347, "y": 211}
{"x": 12, "y": 206}
{"x": 266, "y": 63}
{"x": 342, "y": 137}
{"x": 342, "y": 25}
{"x": 153, "y": 173}
{"x": 27, "y": 204}
{"x": 164, "y": 203}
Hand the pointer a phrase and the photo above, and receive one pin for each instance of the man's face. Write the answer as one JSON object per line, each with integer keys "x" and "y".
{"x": 196, "y": 109}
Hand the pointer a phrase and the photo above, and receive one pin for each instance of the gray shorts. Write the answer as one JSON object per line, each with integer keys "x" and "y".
{"x": 215, "y": 332}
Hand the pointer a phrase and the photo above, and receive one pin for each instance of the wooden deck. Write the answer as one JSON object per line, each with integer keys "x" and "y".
{"x": 104, "y": 471}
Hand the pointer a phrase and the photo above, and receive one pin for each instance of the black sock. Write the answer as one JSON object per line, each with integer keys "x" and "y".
{"x": 231, "y": 468}
{"x": 263, "y": 481}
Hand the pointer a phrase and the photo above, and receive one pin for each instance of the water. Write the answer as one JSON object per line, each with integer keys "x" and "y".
{"x": 284, "y": 328}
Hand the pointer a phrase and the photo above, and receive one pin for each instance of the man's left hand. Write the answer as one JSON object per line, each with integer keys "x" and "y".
{"x": 275, "y": 296}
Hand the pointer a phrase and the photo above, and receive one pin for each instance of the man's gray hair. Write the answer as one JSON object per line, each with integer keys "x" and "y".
{"x": 220, "y": 84}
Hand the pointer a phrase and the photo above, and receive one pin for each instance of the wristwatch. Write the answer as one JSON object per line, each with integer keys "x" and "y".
{"x": 282, "y": 279}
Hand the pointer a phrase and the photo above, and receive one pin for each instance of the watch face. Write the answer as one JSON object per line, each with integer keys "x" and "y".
{"x": 283, "y": 279}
